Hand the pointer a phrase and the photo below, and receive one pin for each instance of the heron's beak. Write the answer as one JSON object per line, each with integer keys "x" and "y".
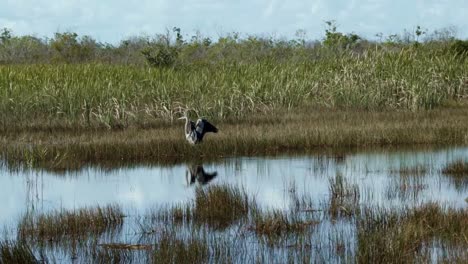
{"x": 181, "y": 117}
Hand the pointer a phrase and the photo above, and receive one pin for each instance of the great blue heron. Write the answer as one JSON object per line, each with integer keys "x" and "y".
{"x": 198, "y": 173}
{"x": 194, "y": 132}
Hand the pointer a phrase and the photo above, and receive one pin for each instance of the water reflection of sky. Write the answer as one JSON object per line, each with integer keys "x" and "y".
{"x": 268, "y": 179}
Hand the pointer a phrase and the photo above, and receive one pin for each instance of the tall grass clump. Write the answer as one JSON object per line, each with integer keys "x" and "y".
{"x": 16, "y": 252}
{"x": 343, "y": 197}
{"x": 170, "y": 249}
{"x": 458, "y": 173}
{"x": 388, "y": 236}
{"x": 457, "y": 169}
{"x": 220, "y": 206}
{"x": 57, "y": 225}
{"x": 277, "y": 225}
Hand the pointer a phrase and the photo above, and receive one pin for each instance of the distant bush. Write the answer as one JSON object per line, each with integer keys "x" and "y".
{"x": 160, "y": 55}
{"x": 174, "y": 49}
{"x": 336, "y": 39}
{"x": 69, "y": 48}
{"x": 460, "y": 47}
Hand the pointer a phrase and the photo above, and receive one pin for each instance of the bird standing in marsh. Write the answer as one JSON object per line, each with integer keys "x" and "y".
{"x": 194, "y": 132}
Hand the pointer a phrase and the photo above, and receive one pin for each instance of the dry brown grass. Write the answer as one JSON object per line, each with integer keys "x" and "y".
{"x": 57, "y": 225}
{"x": 458, "y": 169}
{"x": 16, "y": 252}
{"x": 220, "y": 206}
{"x": 388, "y": 236}
{"x": 344, "y": 197}
{"x": 291, "y": 132}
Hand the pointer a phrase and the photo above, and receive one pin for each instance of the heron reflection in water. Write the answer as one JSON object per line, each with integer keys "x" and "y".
{"x": 196, "y": 173}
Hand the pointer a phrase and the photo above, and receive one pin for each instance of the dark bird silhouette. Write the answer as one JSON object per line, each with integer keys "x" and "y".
{"x": 197, "y": 173}
{"x": 194, "y": 132}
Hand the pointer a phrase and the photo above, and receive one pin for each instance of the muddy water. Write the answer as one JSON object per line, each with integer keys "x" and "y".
{"x": 379, "y": 174}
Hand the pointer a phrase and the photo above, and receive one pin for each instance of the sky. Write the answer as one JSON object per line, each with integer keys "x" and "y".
{"x": 114, "y": 20}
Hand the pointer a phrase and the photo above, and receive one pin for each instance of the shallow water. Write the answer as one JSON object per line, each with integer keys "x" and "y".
{"x": 269, "y": 180}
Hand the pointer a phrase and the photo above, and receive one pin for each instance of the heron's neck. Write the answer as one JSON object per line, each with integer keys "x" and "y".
{"x": 187, "y": 129}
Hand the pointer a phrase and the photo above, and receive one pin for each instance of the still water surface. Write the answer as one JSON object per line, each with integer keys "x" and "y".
{"x": 269, "y": 180}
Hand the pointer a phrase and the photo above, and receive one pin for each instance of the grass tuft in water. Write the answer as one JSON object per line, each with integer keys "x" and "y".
{"x": 170, "y": 249}
{"x": 418, "y": 170}
{"x": 457, "y": 169}
{"x": 389, "y": 236}
{"x": 344, "y": 197}
{"x": 57, "y": 225}
{"x": 220, "y": 206}
{"x": 16, "y": 252}
{"x": 278, "y": 224}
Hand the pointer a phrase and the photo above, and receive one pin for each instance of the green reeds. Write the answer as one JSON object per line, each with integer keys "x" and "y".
{"x": 116, "y": 96}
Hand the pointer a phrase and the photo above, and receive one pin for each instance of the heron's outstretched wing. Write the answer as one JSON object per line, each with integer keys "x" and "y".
{"x": 203, "y": 126}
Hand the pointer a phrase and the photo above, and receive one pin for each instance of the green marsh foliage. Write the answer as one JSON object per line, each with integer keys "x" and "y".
{"x": 77, "y": 79}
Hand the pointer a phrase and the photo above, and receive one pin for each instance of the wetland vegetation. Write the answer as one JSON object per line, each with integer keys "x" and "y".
{"x": 71, "y": 103}
{"x": 419, "y": 232}
{"x": 70, "y": 100}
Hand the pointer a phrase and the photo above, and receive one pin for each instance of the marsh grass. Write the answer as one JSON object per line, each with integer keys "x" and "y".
{"x": 241, "y": 231}
{"x": 170, "y": 249}
{"x": 321, "y": 130}
{"x": 220, "y": 206}
{"x": 343, "y": 197}
{"x": 116, "y": 96}
{"x": 278, "y": 225}
{"x": 457, "y": 172}
{"x": 215, "y": 206}
{"x": 109, "y": 255}
{"x": 406, "y": 187}
{"x": 67, "y": 224}
{"x": 458, "y": 169}
{"x": 16, "y": 252}
{"x": 418, "y": 170}
{"x": 388, "y": 236}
